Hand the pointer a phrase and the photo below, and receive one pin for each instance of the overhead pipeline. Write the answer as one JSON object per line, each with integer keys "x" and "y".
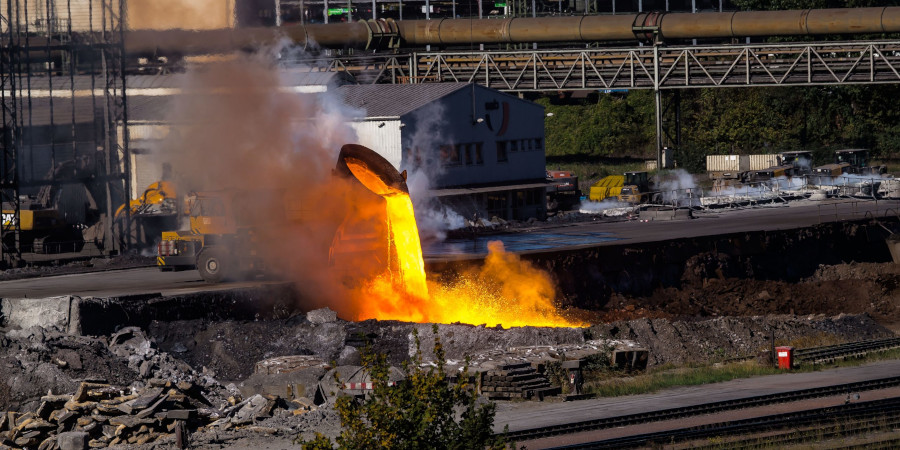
{"x": 650, "y": 26}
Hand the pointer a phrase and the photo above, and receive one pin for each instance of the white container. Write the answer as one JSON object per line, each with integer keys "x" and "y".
{"x": 727, "y": 163}
{"x": 761, "y": 162}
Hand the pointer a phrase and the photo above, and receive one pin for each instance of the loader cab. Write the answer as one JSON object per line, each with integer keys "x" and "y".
{"x": 639, "y": 179}
{"x": 858, "y": 158}
{"x": 210, "y": 214}
{"x": 801, "y": 161}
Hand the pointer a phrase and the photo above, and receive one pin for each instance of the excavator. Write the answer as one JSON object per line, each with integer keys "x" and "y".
{"x": 226, "y": 226}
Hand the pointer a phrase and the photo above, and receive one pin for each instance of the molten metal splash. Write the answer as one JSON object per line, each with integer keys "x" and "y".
{"x": 505, "y": 291}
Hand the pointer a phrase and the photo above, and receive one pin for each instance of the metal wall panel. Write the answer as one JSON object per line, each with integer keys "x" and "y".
{"x": 383, "y": 136}
{"x": 727, "y": 163}
{"x": 760, "y": 162}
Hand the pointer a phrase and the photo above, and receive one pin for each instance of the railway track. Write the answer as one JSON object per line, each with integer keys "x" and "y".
{"x": 816, "y": 434}
{"x": 867, "y": 413}
{"x": 705, "y": 408}
{"x": 816, "y": 355}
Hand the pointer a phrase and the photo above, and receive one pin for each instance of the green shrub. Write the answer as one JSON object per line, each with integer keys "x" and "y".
{"x": 420, "y": 412}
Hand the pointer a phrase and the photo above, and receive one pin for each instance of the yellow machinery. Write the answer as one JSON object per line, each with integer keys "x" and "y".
{"x": 154, "y": 197}
{"x": 221, "y": 241}
{"x": 227, "y": 227}
{"x": 632, "y": 194}
{"x": 607, "y": 187}
{"x": 613, "y": 186}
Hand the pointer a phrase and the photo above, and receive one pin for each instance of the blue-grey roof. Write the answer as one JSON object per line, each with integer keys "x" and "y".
{"x": 395, "y": 100}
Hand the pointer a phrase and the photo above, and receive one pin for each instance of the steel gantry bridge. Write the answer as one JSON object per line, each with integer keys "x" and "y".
{"x": 654, "y": 67}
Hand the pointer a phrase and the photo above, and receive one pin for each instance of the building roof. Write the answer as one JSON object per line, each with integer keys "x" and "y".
{"x": 395, "y": 100}
{"x": 291, "y": 77}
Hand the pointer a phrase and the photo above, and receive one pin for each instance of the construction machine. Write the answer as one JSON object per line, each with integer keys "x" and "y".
{"x": 857, "y": 161}
{"x": 232, "y": 233}
{"x": 224, "y": 226}
{"x": 52, "y": 220}
{"x": 799, "y": 160}
{"x": 562, "y": 191}
{"x": 638, "y": 184}
{"x": 772, "y": 173}
{"x": 154, "y": 211}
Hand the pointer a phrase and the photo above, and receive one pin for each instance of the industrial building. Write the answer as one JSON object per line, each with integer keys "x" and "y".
{"x": 483, "y": 150}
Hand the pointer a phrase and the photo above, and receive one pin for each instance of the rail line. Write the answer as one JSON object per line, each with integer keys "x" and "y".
{"x": 852, "y": 427}
{"x": 830, "y": 353}
{"x": 705, "y": 408}
{"x": 872, "y": 411}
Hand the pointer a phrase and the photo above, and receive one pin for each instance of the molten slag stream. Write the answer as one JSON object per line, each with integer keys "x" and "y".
{"x": 505, "y": 291}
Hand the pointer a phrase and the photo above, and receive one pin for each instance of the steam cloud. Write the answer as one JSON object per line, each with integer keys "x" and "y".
{"x": 278, "y": 148}
{"x": 433, "y": 218}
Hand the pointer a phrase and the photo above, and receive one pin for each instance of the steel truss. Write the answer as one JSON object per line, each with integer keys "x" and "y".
{"x": 649, "y": 67}
{"x": 43, "y": 45}
{"x": 658, "y": 67}
{"x": 655, "y": 67}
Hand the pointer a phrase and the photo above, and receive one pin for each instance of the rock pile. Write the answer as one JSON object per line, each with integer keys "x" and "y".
{"x": 101, "y": 415}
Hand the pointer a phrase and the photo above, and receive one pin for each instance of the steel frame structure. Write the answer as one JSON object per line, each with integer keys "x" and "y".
{"x": 658, "y": 67}
{"x": 655, "y": 67}
{"x": 49, "y": 48}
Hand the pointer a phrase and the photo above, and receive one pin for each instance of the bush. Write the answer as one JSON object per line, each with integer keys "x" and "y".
{"x": 420, "y": 412}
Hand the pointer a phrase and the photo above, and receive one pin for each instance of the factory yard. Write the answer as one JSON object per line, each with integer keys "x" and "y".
{"x": 145, "y": 351}
{"x": 245, "y": 228}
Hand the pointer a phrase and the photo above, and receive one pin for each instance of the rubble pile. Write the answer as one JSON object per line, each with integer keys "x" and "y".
{"x": 511, "y": 381}
{"x": 100, "y": 415}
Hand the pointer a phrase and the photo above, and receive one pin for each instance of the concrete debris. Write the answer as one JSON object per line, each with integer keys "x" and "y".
{"x": 287, "y": 364}
{"x": 101, "y": 415}
{"x": 323, "y": 315}
{"x": 349, "y": 357}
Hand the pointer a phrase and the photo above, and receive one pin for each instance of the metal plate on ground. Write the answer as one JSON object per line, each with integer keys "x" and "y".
{"x": 515, "y": 243}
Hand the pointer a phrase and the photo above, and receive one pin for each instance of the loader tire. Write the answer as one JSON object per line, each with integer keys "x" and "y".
{"x": 213, "y": 265}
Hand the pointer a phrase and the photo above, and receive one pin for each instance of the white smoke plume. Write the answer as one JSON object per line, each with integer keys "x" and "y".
{"x": 607, "y": 208}
{"x": 423, "y": 168}
{"x": 253, "y": 136}
{"x": 680, "y": 189}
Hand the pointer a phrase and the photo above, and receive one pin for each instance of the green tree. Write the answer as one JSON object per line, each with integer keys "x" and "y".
{"x": 426, "y": 410}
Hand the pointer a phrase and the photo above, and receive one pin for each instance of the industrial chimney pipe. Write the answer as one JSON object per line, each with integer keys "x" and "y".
{"x": 383, "y": 34}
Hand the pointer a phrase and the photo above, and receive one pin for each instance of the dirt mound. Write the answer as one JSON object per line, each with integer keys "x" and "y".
{"x": 691, "y": 341}
{"x": 855, "y": 288}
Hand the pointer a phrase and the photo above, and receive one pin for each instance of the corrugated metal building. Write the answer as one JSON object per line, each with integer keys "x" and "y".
{"x": 483, "y": 150}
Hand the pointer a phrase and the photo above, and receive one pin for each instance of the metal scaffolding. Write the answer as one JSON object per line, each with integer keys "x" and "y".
{"x": 656, "y": 67}
{"x": 64, "y": 164}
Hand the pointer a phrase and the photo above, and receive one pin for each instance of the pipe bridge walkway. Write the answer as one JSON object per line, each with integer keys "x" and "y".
{"x": 647, "y": 67}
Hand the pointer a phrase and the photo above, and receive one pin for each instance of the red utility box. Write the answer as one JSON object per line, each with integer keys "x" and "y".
{"x": 785, "y": 357}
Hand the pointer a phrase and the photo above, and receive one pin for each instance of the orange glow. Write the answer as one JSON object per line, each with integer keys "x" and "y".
{"x": 506, "y": 290}
{"x": 405, "y": 237}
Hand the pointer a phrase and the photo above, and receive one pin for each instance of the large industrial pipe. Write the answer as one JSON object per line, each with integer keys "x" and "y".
{"x": 418, "y": 33}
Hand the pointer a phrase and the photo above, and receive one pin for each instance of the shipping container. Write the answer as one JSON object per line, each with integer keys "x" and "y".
{"x": 727, "y": 163}
{"x": 760, "y": 162}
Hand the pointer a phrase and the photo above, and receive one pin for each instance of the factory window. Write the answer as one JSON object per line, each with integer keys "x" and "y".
{"x": 513, "y": 146}
{"x": 529, "y": 143}
{"x": 501, "y": 152}
{"x": 450, "y": 155}
{"x": 473, "y": 153}
{"x": 538, "y": 144}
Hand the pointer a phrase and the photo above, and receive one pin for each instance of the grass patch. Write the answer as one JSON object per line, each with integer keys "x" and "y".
{"x": 814, "y": 340}
{"x": 612, "y": 384}
{"x": 664, "y": 377}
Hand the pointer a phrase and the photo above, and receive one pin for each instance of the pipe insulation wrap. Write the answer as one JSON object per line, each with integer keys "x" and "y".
{"x": 419, "y": 33}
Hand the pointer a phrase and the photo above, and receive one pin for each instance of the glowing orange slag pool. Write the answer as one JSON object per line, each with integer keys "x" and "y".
{"x": 505, "y": 291}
